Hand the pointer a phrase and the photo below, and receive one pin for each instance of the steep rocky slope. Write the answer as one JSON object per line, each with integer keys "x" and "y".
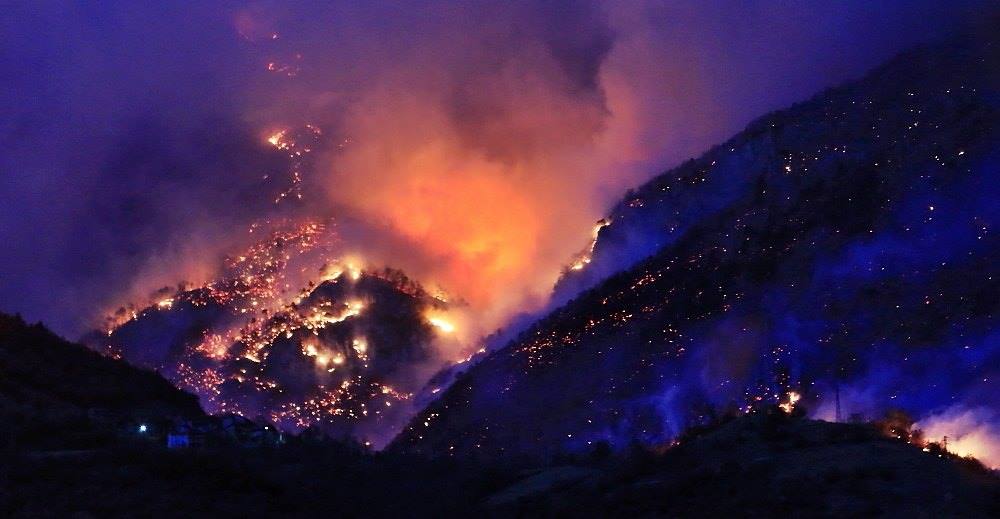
{"x": 842, "y": 249}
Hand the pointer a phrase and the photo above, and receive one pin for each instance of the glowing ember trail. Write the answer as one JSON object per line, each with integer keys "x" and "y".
{"x": 298, "y": 145}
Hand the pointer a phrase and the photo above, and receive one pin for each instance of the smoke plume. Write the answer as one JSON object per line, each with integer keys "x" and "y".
{"x": 472, "y": 144}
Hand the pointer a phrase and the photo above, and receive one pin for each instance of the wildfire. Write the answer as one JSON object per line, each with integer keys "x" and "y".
{"x": 355, "y": 271}
{"x": 275, "y": 139}
{"x": 228, "y": 366}
{"x": 297, "y": 144}
{"x": 789, "y": 404}
{"x": 321, "y": 318}
{"x": 345, "y": 400}
{"x": 360, "y": 347}
{"x": 331, "y": 274}
{"x": 469, "y": 357}
{"x": 214, "y": 346}
{"x": 967, "y": 432}
{"x": 585, "y": 257}
{"x": 441, "y": 324}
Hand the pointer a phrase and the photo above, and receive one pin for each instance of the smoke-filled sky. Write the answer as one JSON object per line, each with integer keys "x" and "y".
{"x": 472, "y": 144}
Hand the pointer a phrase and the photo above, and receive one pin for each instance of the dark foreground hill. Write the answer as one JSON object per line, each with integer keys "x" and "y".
{"x": 756, "y": 466}
{"x": 764, "y": 465}
{"x": 844, "y": 246}
{"x": 59, "y": 459}
{"x": 56, "y": 394}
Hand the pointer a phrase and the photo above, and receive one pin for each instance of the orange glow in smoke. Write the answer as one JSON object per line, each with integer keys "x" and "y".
{"x": 479, "y": 228}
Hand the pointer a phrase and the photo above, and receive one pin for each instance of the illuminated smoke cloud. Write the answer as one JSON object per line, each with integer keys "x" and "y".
{"x": 472, "y": 144}
{"x": 971, "y": 431}
{"x": 491, "y": 145}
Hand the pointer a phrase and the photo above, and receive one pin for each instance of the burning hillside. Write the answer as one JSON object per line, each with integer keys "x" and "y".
{"x": 275, "y": 338}
{"x": 416, "y": 259}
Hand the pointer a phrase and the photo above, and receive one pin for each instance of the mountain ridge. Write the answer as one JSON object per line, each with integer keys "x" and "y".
{"x": 815, "y": 244}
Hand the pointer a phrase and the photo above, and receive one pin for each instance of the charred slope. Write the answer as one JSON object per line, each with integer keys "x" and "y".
{"x": 54, "y": 390}
{"x": 844, "y": 244}
{"x": 806, "y": 139}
